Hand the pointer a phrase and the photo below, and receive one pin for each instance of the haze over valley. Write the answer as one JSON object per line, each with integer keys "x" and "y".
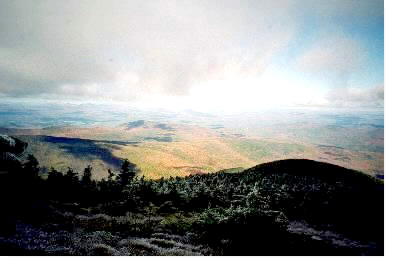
{"x": 163, "y": 143}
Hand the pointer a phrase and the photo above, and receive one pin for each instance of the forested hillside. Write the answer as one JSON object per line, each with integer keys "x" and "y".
{"x": 287, "y": 207}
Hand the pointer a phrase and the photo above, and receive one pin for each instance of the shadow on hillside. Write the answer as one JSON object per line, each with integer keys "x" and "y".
{"x": 82, "y": 148}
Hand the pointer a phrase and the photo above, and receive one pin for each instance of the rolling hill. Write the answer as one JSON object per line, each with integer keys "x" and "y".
{"x": 161, "y": 149}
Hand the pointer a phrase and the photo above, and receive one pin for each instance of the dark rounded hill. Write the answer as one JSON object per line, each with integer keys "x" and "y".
{"x": 326, "y": 196}
{"x": 320, "y": 171}
{"x": 330, "y": 210}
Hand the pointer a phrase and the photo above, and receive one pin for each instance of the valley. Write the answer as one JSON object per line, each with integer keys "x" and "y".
{"x": 164, "y": 143}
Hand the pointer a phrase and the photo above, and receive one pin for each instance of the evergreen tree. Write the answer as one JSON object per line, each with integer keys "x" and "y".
{"x": 86, "y": 178}
{"x": 126, "y": 173}
{"x": 54, "y": 176}
{"x": 31, "y": 167}
{"x": 56, "y": 184}
{"x": 71, "y": 176}
{"x": 110, "y": 175}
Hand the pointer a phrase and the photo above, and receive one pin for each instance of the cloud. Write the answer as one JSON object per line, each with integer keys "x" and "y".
{"x": 51, "y": 47}
{"x": 357, "y": 11}
{"x": 346, "y": 97}
{"x": 338, "y": 56}
{"x": 335, "y": 59}
{"x": 128, "y": 50}
{"x": 334, "y": 54}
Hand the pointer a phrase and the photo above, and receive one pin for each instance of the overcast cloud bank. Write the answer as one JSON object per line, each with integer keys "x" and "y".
{"x": 135, "y": 50}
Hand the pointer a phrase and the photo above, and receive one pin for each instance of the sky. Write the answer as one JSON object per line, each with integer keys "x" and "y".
{"x": 205, "y": 54}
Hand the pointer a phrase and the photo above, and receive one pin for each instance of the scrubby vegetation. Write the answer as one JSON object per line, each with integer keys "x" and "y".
{"x": 288, "y": 207}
